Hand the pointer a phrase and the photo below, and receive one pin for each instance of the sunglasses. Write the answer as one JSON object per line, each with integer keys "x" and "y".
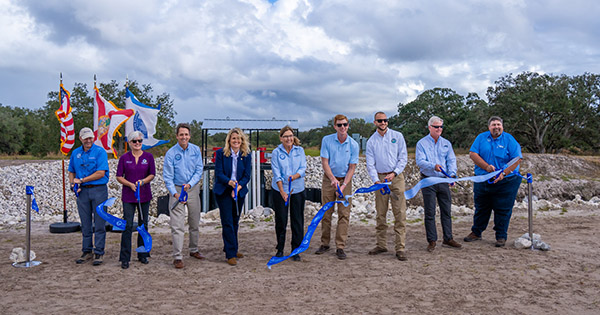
{"x": 340, "y": 125}
{"x": 136, "y": 141}
{"x": 382, "y": 120}
{"x": 438, "y": 127}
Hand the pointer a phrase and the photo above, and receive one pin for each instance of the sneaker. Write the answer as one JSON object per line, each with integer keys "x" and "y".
{"x": 321, "y": 250}
{"x": 500, "y": 242}
{"x": 296, "y": 258}
{"x": 377, "y": 250}
{"x": 87, "y": 256}
{"x": 124, "y": 264}
{"x": 472, "y": 237}
{"x": 340, "y": 254}
{"x": 452, "y": 243}
{"x": 97, "y": 260}
{"x": 401, "y": 256}
{"x": 431, "y": 246}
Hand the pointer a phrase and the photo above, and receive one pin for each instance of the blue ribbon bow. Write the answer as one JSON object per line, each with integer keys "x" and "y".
{"x": 34, "y": 205}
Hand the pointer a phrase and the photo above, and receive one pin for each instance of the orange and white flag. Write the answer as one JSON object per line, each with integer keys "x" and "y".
{"x": 107, "y": 120}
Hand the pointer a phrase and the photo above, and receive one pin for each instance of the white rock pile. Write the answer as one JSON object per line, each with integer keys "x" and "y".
{"x": 525, "y": 242}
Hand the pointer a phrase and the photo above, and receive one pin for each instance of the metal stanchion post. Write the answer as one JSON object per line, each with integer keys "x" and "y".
{"x": 27, "y": 263}
{"x": 530, "y": 207}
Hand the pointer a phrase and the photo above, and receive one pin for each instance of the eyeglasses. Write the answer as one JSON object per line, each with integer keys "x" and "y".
{"x": 287, "y": 136}
{"x": 381, "y": 120}
{"x": 137, "y": 141}
{"x": 340, "y": 125}
{"x": 437, "y": 127}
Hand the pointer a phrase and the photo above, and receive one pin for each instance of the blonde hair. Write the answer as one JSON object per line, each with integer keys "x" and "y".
{"x": 244, "y": 147}
{"x": 286, "y": 128}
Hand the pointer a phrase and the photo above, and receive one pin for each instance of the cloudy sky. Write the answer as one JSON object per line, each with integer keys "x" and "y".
{"x": 290, "y": 59}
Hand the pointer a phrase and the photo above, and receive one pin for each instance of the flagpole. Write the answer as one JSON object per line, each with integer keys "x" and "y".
{"x": 126, "y": 86}
{"x": 63, "y": 163}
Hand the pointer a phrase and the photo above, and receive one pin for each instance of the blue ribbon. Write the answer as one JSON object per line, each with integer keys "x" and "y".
{"x": 235, "y": 192}
{"x": 289, "y": 191}
{"x": 317, "y": 219}
{"x": 146, "y": 238}
{"x": 183, "y": 196}
{"x": 34, "y": 205}
{"x": 76, "y": 189}
{"x": 119, "y": 224}
{"x": 137, "y": 191}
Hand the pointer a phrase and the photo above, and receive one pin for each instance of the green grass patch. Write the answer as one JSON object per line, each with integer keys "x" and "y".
{"x": 544, "y": 209}
{"x": 312, "y": 152}
{"x": 414, "y": 220}
{"x": 268, "y": 219}
{"x": 563, "y": 211}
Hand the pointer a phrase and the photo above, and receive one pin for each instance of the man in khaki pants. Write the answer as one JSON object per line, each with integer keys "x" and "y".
{"x": 386, "y": 160}
{"x": 339, "y": 156}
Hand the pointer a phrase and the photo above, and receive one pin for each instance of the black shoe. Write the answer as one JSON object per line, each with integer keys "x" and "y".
{"x": 279, "y": 253}
{"x": 500, "y": 242}
{"x": 84, "y": 257}
{"x": 144, "y": 260}
{"x": 321, "y": 250}
{"x": 124, "y": 264}
{"x": 340, "y": 254}
{"x": 472, "y": 237}
{"x": 296, "y": 257}
{"x": 97, "y": 260}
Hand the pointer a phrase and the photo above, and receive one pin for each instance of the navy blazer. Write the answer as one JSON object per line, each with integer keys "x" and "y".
{"x": 223, "y": 172}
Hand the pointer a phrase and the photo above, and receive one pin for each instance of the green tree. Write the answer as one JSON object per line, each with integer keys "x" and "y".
{"x": 11, "y": 131}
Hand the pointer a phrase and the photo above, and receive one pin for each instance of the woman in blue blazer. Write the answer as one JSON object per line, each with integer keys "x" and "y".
{"x": 234, "y": 156}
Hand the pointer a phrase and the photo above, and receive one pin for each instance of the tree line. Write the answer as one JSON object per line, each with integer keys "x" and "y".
{"x": 546, "y": 113}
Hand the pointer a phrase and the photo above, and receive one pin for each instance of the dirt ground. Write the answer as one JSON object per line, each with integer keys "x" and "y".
{"x": 477, "y": 279}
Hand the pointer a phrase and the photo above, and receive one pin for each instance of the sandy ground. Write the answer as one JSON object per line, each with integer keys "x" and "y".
{"x": 477, "y": 279}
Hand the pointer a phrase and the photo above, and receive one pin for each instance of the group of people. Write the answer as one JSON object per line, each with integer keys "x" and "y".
{"x": 386, "y": 158}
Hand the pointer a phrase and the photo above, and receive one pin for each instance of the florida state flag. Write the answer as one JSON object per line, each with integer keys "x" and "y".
{"x": 107, "y": 120}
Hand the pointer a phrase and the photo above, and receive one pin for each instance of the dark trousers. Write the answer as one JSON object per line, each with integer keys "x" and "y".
{"x": 128, "y": 212}
{"x": 229, "y": 221}
{"x": 500, "y": 198}
{"x": 89, "y": 198}
{"x": 441, "y": 193}
{"x": 296, "y": 214}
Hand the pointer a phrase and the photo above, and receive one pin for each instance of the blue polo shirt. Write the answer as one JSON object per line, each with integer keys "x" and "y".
{"x": 497, "y": 151}
{"x": 429, "y": 153}
{"x": 340, "y": 155}
{"x": 85, "y": 163}
{"x": 182, "y": 167}
{"x": 284, "y": 165}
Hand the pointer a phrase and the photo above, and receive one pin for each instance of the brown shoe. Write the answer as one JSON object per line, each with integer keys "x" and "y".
{"x": 377, "y": 250}
{"x": 401, "y": 256}
{"x": 452, "y": 243}
{"x": 321, "y": 250}
{"x": 500, "y": 242}
{"x": 472, "y": 237}
{"x": 178, "y": 263}
{"x": 232, "y": 261}
{"x": 431, "y": 246}
{"x": 340, "y": 254}
{"x": 239, "y": 255}
{"x": 197, "y": 255}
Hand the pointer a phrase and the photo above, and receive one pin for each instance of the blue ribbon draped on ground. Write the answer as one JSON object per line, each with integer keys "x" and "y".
{"x": 147, "y": 240}
{"x": 317, "y": 219}
{"x": 119, "y": 224}
{"x": 34, "y": 205}
{"x": 429, "y": 181}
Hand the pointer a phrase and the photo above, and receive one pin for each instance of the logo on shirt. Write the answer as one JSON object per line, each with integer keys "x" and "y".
{"x": 128, "y": 162}
{"x": 144, "y": 161}
{"x": 500, "y": 146}
{"x": 393, "y": 140}
{"x": 177, "y": 157}
{"x": 282, "y": 156}
{"x": 79, "y": 155}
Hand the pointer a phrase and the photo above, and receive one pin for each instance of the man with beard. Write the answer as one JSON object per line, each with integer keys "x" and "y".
{"x": 386, "y": 160}
{"x": 490, "y": 152}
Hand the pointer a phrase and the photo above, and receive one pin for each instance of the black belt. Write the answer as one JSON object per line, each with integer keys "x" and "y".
{"x": 386, "y": 173}
{"x": 92, "y": 186}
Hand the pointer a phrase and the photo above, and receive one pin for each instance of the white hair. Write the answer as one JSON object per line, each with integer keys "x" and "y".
{"x": 135, "y": 135}
{"x": 434, "y": 119}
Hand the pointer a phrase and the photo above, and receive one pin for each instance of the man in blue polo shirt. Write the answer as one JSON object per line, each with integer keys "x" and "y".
{"x": 88, "y": 168}
{"x": 339, "y": 156}
{"x": 182, "y": 168}
{"x": 492, "y": 151}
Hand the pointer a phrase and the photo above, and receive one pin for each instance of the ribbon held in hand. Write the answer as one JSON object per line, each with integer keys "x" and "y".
{"x": 137, "y": 191}
{"x": 289, "y": 191}
{"x": 119, "y": 224}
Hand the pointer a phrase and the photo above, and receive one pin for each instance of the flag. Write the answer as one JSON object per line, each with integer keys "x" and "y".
{"x": 65, "y": 118}
{"x": 143, "y": 121}
{"x": 107, "y": 120}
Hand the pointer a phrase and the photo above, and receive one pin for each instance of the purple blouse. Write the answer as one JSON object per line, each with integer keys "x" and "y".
{"x": 133, "y": 172}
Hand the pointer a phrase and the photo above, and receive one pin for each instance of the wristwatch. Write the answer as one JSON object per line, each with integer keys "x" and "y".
{"x": 503, "y": 173}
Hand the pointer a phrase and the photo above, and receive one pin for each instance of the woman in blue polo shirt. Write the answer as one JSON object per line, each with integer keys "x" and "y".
{"x": 288, "y": 162}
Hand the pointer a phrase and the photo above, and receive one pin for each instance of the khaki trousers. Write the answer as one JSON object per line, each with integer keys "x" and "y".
{"x": 328, "y": 193}
{"x": 177, "y": 221}
{"x": 399, "y": 210}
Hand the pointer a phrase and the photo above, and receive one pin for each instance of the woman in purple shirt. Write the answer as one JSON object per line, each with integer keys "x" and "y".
{"x": 135, "y": 167}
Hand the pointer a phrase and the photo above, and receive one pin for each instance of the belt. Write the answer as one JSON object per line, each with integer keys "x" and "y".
{"x": 387, "y": 173}
{"x": 340, "y": 178}
{"x": 92, "y": 186}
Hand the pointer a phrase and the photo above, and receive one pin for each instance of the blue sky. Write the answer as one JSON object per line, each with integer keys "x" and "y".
{"x": 289, "y": 59}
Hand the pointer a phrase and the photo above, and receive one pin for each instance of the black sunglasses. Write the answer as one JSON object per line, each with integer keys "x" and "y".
{"x": 340, "y": 125}
{"x": 382, "y": 120}
{"x": 137, "y": 141}
{"x": 438, "y": 127}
